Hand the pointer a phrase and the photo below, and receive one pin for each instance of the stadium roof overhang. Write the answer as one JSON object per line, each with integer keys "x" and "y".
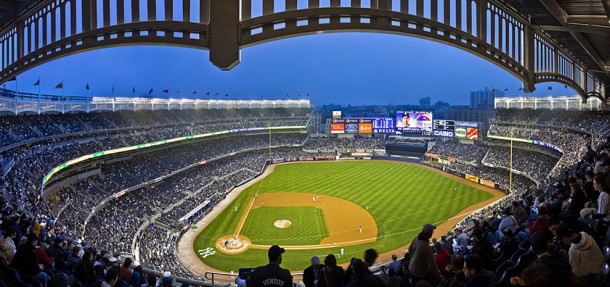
{"x": 11, "y": 9}
{"x": 581, "y": 26}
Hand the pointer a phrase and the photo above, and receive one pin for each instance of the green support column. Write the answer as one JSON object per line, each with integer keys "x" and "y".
{"x": 224, "y": 33}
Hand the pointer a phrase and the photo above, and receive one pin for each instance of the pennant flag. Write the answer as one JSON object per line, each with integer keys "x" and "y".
{"x": 217, "y": 93}
{"x": 150, "y": 92}
{"x": 565, "y": 86}
{"x": 165, "y": 91}
{"x": 307, "y": 95}
{"x": 194, "y": 92}
{"x": 134, "y": 90}
{"x": 226, "y": 95}
{"x": 208, "y": 93}
{"x": 520, "y": 89}
{"x": 550, "y": 88}
{"x": 506, "y": 89}
{"x": 37, "y": 82}
{"x": 178, "y": 92}
{"x": 60, "y": 85}
{"x": 87, "y": 87}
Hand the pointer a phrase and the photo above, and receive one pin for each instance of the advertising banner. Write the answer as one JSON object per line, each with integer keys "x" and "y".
{"x": 383, "y": 126}
{"x": 365, "y": 128}
{"x": 472, "y": 134}
{"x": 472, "y": 178}
{"x": 443, "y": 133}
{"x": 460, "y": 132}
{"x": 487, "y": 183}
{"x": 336, "y": 114}
{"x": 467, "y": 124}
{"x": 351, "y": 126}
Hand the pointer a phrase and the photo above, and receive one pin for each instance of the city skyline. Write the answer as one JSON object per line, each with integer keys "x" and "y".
{"x": 332, "y": 68}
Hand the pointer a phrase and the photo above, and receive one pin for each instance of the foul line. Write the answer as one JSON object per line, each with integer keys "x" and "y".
{"x": 243, "y": 219}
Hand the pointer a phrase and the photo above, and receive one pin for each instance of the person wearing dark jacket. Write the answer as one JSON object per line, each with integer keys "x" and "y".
{"x": 25, "y": 261}
{"x": 332, "y": 275}
{"x": 362, "y": 276}
{"x": 475, "y": 275}
{"x": 559, "y": 269}
{"x": 311, "y": 274}
{"x": 422, "y": 265}
{"x": 85, "y": 273}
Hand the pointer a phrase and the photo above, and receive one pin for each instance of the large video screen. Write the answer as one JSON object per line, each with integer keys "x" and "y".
{"x": 414, "y": 123}
{"x": 383, "y": 126}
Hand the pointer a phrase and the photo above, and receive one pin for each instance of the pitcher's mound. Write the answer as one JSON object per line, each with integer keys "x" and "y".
{"x": 282, "y": 223}
{"x": 228, "y": 244}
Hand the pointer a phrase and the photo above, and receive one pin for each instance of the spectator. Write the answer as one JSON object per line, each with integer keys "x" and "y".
{"x": 442, "y": 259}
{"x": 475, "y": 273}
{"x": 584, "y": 254}
{"x": 362, "y": 276}
{"x": 332, "y": 275}
{"x": 7, "y": 245}
{"x": 422, "y": 265}
{"x": 560, "y": 272}
{"x": 111, "y": 278}
{"x": 125, "y": 271}
{"x": 271, "y": 274}
{"x": 311, "y": 274}
{"x": 26, "y": 262}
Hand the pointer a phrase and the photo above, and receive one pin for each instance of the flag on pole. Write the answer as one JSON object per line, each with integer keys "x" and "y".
{"x": 208, "y": 94}
{"x": 194, "y": 92}
{"x": 165, "y": 91}
{"x": 113, "y": 88}
{"x": 60, "y": 85}
{"x": 550, "y": 88}
{"x": 565, "y": 86}
{"x": 37, "y": 82}
{"x": 150, "y": 92}
{"x": 134, "y": 90}
{"x": 87, "y": 87}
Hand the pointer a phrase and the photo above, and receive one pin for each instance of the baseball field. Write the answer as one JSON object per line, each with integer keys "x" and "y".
{"x": 318, "y": 208}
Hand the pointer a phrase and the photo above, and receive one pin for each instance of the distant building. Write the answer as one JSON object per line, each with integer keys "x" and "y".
{"x": 425, "y": 101}
{"x": 484, "y": 98}
{"x": 468, "y": 114}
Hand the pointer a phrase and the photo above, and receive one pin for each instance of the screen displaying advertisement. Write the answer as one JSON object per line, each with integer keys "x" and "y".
{"x": 383, "y": 126}
{"x": 336, "y": 114}
{"x": 365, "y": 127}
{"x": 351, "y": 126}
{"x": 460, "y": 132}
{"x": 414, "y": 122}
{"x": 337, "y": 126}
{"x": 472, "y": 134}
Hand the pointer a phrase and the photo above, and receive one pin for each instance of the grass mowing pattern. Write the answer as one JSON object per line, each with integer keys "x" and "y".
{"x": 401, "y": 198}
{"x": 308, "y": 225}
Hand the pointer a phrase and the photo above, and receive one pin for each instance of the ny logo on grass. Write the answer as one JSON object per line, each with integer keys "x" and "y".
{"x": 206, "y": 252}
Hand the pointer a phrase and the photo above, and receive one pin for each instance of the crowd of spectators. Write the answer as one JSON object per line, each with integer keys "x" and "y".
{"x": 537, "y": 165}
{"x": 332, "y": 144}
{"x": 454, "y": 149}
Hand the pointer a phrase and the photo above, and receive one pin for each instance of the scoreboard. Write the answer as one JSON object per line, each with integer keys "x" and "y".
{"x": 444, "y": 125}
{"x": 456, "y": 129}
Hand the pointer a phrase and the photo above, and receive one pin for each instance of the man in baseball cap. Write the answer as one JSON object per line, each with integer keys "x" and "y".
{"x": 422, "y": 265}
{"x": 271, "y": 274}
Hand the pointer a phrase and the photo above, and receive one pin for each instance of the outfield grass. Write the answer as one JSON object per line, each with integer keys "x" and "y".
{"x": 400, "y": 197}
{"x": 308, "y": 225}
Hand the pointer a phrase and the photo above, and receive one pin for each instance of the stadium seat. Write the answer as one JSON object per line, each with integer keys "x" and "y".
{"x": 606, "y": 251}
{"x": 13, "y": 277}
{"x": 604, "y": 272}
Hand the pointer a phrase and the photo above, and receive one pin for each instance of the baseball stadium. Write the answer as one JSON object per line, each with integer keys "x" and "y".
{"x": 120, "y": 187}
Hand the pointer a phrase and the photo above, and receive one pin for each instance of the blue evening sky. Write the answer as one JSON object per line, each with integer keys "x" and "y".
{"x": 341, "y": 68}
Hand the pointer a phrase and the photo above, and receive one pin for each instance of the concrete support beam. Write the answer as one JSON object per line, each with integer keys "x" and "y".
{"x": 224, "y": 32}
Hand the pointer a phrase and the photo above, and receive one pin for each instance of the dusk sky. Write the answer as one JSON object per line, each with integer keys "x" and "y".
{"x": 341, "y": 68}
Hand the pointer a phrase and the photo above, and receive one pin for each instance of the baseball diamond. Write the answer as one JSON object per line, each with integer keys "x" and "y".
{"x": 351, "y": 205}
